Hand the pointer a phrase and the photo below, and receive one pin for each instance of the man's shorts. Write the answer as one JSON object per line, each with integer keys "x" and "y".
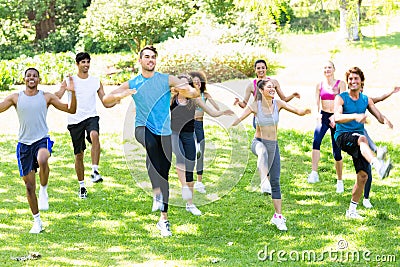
{"x": 77, "y": 132}
{"x": 27, "y": 155}
{"x": 348, "y": 142}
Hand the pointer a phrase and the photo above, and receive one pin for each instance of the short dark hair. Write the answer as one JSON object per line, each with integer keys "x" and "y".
{"x": 28, "y": 69}
{"x": 260, "y": 61}
{"x": 358, "y": 71}
{"x": 148, "y": 47}
{"x": 81, "y": 56}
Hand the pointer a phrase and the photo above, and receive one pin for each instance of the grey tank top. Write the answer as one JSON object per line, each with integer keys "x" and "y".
{"x": 267, "y": 119}
{"x": 32, "y": 113}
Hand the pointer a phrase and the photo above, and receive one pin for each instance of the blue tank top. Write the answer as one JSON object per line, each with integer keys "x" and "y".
{"x": 32, "y": 113}
{"x": 262, "y": 119}
{"x": 352, "y": 106}
{"x": 152, "y": 102}
{"x": 202, "y": 99}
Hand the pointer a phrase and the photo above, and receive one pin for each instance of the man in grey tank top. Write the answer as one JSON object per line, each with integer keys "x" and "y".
{"x": 34, "y": 145}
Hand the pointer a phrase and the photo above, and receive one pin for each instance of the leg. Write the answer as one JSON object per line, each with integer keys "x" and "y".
{"x": 79, "y": 166}
{"x": 30, "y": 184}
{"x": 95, "y": 151}
{"x": 367, "y": 189}
{"x": 319, "y": 134}
{"x": 43, "y": 161}
{"x": 260, "y": 150}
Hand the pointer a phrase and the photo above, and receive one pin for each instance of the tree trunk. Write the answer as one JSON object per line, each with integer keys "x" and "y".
{"x": 350, "y": 20}
{"x": 44, "y": 23}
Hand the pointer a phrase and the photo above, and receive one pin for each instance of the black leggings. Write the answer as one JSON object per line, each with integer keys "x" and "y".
{"x": 158, "y": 159}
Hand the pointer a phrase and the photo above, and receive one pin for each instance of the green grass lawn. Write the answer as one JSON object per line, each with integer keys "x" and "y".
{"x": 114, "y": 226}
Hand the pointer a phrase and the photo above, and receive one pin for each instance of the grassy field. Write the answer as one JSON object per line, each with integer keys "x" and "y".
{"x": 115, "y": 226}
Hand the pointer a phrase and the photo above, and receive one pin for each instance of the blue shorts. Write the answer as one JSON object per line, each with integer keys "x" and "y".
{"x": 27, "y": 155}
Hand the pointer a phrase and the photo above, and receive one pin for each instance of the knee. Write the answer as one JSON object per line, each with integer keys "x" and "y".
{"x": 43, "y": 160}
{"x": 362, "y": 139}
{"x": 79, "y": 156}
{"x": 30, "y": 187}
{"x": 362, "y": 177}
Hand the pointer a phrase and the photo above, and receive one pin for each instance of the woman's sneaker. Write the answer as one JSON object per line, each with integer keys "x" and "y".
{"x": 313, "y": 177}
{"x": 200, "y": 187}
{"x": 280, "y": 222}
{"x": 164, "y": 227}
{"x": 367, "y": 204}
{"x": 193, "y": 209}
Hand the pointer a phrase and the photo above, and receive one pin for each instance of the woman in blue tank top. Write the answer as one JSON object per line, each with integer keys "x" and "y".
{"x": 265, "y": 143}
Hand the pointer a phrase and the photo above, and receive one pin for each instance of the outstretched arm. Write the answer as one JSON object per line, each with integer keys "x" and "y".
{"x": 248, "y": 92}
{"x": 250, "y": 109}
{"x": 384, "y": 96}
{"x": 116, "y": 95}
{"x": 182, "y": 87}
{"x": 101, "y": 95}
{"x": 211, "y": 112}
{"x": 281, "y": 94}
{"x": 377, "y": 114}
{"x": 9, "y": 101}
{"x": 286, "y": 106}
{"x": 213, "y": 103}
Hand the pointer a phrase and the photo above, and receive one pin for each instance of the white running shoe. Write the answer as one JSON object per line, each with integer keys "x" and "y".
{"x": 36, "y": 228}
{"x": 339, "y": 186}
{"x": 383, "y": 168}
{"x": 313, "y": 177}
{"x": 96, "y": 177}
{"x": 186, "y": 193}
{"x": 266, "y": 187}
{"x": 200, "y": 187}
{"x": 158, "y": 202}
{"x": 367, "y": 204}
{"x": 353, "y": 215}
{"x": 193, "y": 209}
{"x": 279, "y": 222}
{"x": 165, "y": 228}
{"x": 381, "y": 152}
{"x": 43, "y": 201}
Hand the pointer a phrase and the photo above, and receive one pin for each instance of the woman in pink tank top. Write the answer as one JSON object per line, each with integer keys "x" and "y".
{"x": 325, "y": 93}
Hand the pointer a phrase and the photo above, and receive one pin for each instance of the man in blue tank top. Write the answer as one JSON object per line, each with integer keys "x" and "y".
{"x": 350, "y": 108}
{"x": 34, "y": 145}
{"x": 151, "y": 92}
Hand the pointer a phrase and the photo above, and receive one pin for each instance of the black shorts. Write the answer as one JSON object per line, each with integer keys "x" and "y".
{"x": 27, "y": 155}
{"x": 77, "y": 132}
{"x": 348, "y": 142}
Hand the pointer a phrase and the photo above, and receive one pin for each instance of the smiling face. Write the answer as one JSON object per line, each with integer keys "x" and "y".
{"x": 329, "y": 69}
{"x": 261, "y": 70}
{"x": 354, "y": 81}
{"x": 197, "y": 82}
{"x": 148, "y": 60}
{"x": 31, "y": 78}
{"x": 83, "y": 66}
{"x": 268, "y": 90}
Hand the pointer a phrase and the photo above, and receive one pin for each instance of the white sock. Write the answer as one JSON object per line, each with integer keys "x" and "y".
{"x": 95, "y": 168}
{"x": 36, "y": 217}
{"x": 81, "y": 183}
{"x": 340, "y": 181}
{"x": 353, "y": 206}
{"x": 43, "y": 188}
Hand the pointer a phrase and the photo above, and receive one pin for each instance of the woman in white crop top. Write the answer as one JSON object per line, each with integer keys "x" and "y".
{"x": 265, "y": 142}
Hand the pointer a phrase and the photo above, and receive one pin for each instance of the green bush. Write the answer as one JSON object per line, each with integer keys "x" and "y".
{"x": 318, "y": 21}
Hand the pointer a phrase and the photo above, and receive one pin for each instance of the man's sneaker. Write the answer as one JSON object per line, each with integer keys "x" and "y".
{"x": 36, "y": 228}
{"x": 313, "y": 177}
{"x": 43, "y": 201}
{"x": 193, "y": 209}
{"x": 82, "y": 192}
{"x": 266, "y": 187}
{"x": 200, "y": 187}
{"x": 367, "y": 204}
{"x": 186, "y": 193}
{"x": 164, "y": 228}
{"x": 158, "y": 202}
{"x": 96, "y": 177}
{"x": 383, "y": 168}
{"x": 381, "y": 152}
{"x": 339, "y": 186}
{"x": 279, "y": 222}
{"x": 353, "y": 215}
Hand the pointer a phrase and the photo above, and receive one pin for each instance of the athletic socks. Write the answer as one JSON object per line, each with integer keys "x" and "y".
{"x": 81, "y": 184}
{"x": 353, "y": 206}
{"x": 36, "y": 217}
{"x": 95, "y": 168}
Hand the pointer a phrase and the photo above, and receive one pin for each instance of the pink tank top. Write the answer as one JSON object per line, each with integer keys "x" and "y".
{"x": 329, "y": 95}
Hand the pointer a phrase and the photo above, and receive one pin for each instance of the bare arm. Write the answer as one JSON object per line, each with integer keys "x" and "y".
{"x": 343, "y": 118}
{"x": 211, "y": 112}
{"x": 281, "y": 94}
{"x": 116, "y": 95}
{"x": 384, "y": 96}
{"x": 377, "y": 114}
{"x": 52, "y": 99}
{"x": 101, "y": 95}
{"x": 215, "y": 105}
{"x": 250, "y": 109}
{"x": 182, "y": 87}
{"x": 63, "y": 88}
{"x": 317, "y": 101}
{"x": 286, "y": 106}
{"x": 248, "y": 93}
{"x": 9, "y": 101}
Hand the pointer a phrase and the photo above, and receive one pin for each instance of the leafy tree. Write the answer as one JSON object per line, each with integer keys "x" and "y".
{"x": 134, "y": 22}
